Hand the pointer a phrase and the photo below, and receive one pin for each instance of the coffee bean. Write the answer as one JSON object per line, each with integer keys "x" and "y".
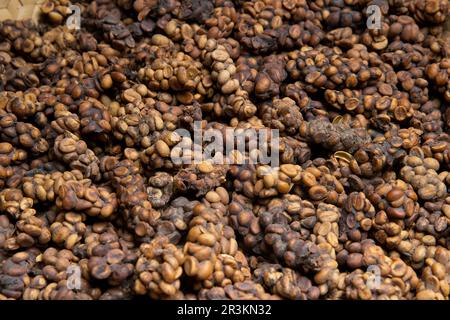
{"x": 318, "y": 192}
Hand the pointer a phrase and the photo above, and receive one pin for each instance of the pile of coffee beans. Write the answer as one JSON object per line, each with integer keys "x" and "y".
{"x": 96, "y": 204}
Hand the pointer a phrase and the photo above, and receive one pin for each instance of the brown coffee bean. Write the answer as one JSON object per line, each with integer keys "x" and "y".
{"x": 394, "y": 195}
{"x": 290, "y": 170}
{"x": 205, "y": 167}
{"x": 162, "y": 148}
{"x": 212, "y": 196}
{"x": 191, "y": 266}
{"x": 355, "y": 260}
{"x": 427, "y": 192}
{"x": 318, "y": 192}
{"x": 102, "y": 271}
{"x": 115, "y": 256}
{"x": 328, "y": 216}
{"x": 220, "y": 55}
